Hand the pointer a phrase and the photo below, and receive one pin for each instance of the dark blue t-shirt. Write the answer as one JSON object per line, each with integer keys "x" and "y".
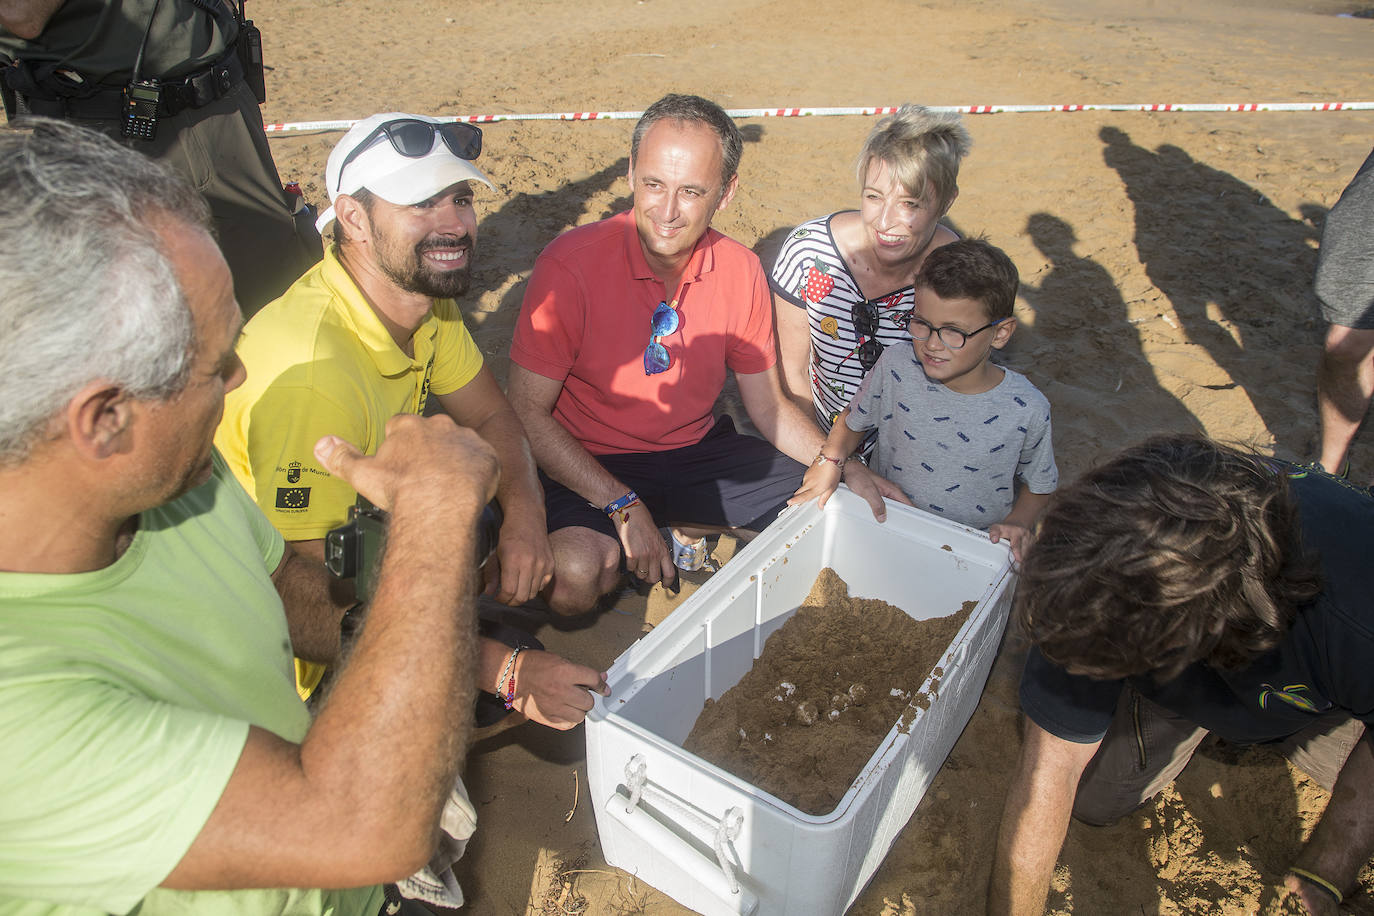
{"x": 1325, "y": 661}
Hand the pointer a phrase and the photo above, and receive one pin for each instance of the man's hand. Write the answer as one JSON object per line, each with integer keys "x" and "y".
{"x": 874, "y": 488}
{"x": 422, "y": 458}
{"x": 646, "y": 553}
{"x": 524, "y": 560}
{"x": 1018, "y": 537}
{"x": 1343, "y": 840}
{"x": 553, "y": 691}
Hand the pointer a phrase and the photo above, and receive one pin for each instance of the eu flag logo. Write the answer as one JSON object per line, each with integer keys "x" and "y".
{"x": 293, "y": 497}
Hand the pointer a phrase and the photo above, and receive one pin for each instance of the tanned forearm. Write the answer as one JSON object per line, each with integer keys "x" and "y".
{"x": 421, "y": 618}
{"x": 1026, "y": 508}
{"x": 519, "y": 489}
{"x": 1343, "y": 841}
{"x": 779, "y": 418}
{"x": 314, "y": 601}
{"x": 560, "y": 455}
{"x": 358, "y": 801}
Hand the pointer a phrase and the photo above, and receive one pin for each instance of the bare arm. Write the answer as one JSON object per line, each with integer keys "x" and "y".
{"x": 1343, "y": 840}
{"x": 822, "y": 477}
{"x": 565, "y": 460}
{"x": 358, "y": 801}
{"x": 781, "y": 421}
{"x": 313, "y": 599}
{"x": 526, "y": 560}
{"x": 793, "y": 330}
{"x": 1020, "y": 521}
{"x": 1034, "y": 821}
{"x": 549, "y": 689}
{"x": 27, "y": 18}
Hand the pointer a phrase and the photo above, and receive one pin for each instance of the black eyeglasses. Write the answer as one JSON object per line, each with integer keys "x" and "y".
{"x": 952, "y": 337}
{"x": 865, "y": 317}
{"x": 415, "y": 139}
{"x": 664, "y": 322}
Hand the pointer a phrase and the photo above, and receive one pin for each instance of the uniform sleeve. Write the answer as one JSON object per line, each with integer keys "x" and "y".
{"x": 548, "y": 333}
{"x": 752, "y": 349}
{"x": 457, "y": 358}
{"x": 1074, "y": 708}
{"x": 1036, "y": 466}
{"x": 299, "y": 497}
{"x": 104, "y": 790}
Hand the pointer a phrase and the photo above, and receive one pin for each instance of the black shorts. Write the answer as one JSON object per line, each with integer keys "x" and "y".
{"x": 727, "y": 479}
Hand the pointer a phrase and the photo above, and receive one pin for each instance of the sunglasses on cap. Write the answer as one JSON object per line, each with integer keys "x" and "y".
{"x": 415, "y": 140}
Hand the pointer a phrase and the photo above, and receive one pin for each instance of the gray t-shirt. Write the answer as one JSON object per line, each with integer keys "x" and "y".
{"x": 1345, "y": 264}
{"x": 956, "y": 455}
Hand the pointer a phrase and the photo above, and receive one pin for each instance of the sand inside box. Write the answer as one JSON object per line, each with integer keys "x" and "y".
{"x": 828, "y": 686}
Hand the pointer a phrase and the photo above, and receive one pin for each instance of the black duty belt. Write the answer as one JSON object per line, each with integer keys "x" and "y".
{"x": 178, "y": 94}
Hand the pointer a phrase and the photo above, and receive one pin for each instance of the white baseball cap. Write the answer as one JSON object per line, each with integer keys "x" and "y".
{"x": 384, "y": 171}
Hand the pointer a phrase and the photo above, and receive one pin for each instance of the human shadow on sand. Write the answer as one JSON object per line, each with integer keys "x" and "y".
{"x": 1086, "y": 355}
{"x": 1237, "y": 270}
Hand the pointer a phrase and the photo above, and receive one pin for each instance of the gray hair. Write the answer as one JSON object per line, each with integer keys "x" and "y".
{"x": 922, "y": 147}
{"x": 86, "y": 291}
{"x": 694, "y": 109}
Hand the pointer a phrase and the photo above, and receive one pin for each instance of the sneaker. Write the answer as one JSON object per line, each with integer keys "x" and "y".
{"x": 690, "y": 557}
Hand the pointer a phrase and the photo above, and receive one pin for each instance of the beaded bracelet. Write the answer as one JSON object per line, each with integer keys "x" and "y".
{"x": 1318, "y": 881}
{"x": 508, "y": 695}
{"x": 822, "y": 458}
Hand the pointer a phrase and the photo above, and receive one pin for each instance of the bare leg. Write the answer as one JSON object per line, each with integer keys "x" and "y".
{"x": 1345, "y": 383}
{"x": 586, "y": 565}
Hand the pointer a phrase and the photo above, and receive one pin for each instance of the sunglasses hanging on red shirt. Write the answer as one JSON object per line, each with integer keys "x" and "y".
{"x": 664, "y": 322}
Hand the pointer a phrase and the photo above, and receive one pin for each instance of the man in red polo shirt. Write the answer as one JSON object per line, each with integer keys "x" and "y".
{"x": 626, "y": 332}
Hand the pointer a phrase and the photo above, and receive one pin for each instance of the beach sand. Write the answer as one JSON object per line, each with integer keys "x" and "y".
{"x": 1166, "y": 261}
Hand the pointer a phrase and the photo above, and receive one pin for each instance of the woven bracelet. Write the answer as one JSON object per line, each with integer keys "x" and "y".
{"x": 508, "y": 678}
{"x": 621, "y": 507}
{"x": 1318, "y": 881}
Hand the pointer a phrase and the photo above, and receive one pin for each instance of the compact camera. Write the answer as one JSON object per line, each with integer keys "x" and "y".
{"x": 351, "y": 551}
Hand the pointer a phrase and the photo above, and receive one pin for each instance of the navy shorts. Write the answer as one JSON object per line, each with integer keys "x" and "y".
{"x": 727, "y": 479}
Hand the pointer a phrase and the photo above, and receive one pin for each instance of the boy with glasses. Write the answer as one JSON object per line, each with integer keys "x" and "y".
{"x": 955, "y": 432}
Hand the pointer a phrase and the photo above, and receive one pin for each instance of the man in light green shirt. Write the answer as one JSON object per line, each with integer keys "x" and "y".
{"x": 153, "y": 752}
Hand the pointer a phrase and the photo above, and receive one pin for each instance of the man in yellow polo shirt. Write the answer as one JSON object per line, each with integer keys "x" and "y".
{"x": 373, "y": 331}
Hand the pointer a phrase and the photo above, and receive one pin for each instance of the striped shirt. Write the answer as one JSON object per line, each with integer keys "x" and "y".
{"x": 811, "y": 273}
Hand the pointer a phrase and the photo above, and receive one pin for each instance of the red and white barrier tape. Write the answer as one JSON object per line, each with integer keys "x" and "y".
{"x": 294, "y": 126}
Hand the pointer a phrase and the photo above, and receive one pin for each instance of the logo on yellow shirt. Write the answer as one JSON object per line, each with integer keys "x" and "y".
{"x": 293, "y": 497}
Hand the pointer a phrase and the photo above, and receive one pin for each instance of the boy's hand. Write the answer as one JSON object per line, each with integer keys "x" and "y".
{"x": 818, "y": 483}
{"x": 1017, "y": 536}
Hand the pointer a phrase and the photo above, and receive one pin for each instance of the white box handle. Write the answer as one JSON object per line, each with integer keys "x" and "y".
{"x": 705, "y": 872}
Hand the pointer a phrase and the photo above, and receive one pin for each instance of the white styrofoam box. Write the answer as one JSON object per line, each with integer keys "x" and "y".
{"x": 712, "y": 841}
